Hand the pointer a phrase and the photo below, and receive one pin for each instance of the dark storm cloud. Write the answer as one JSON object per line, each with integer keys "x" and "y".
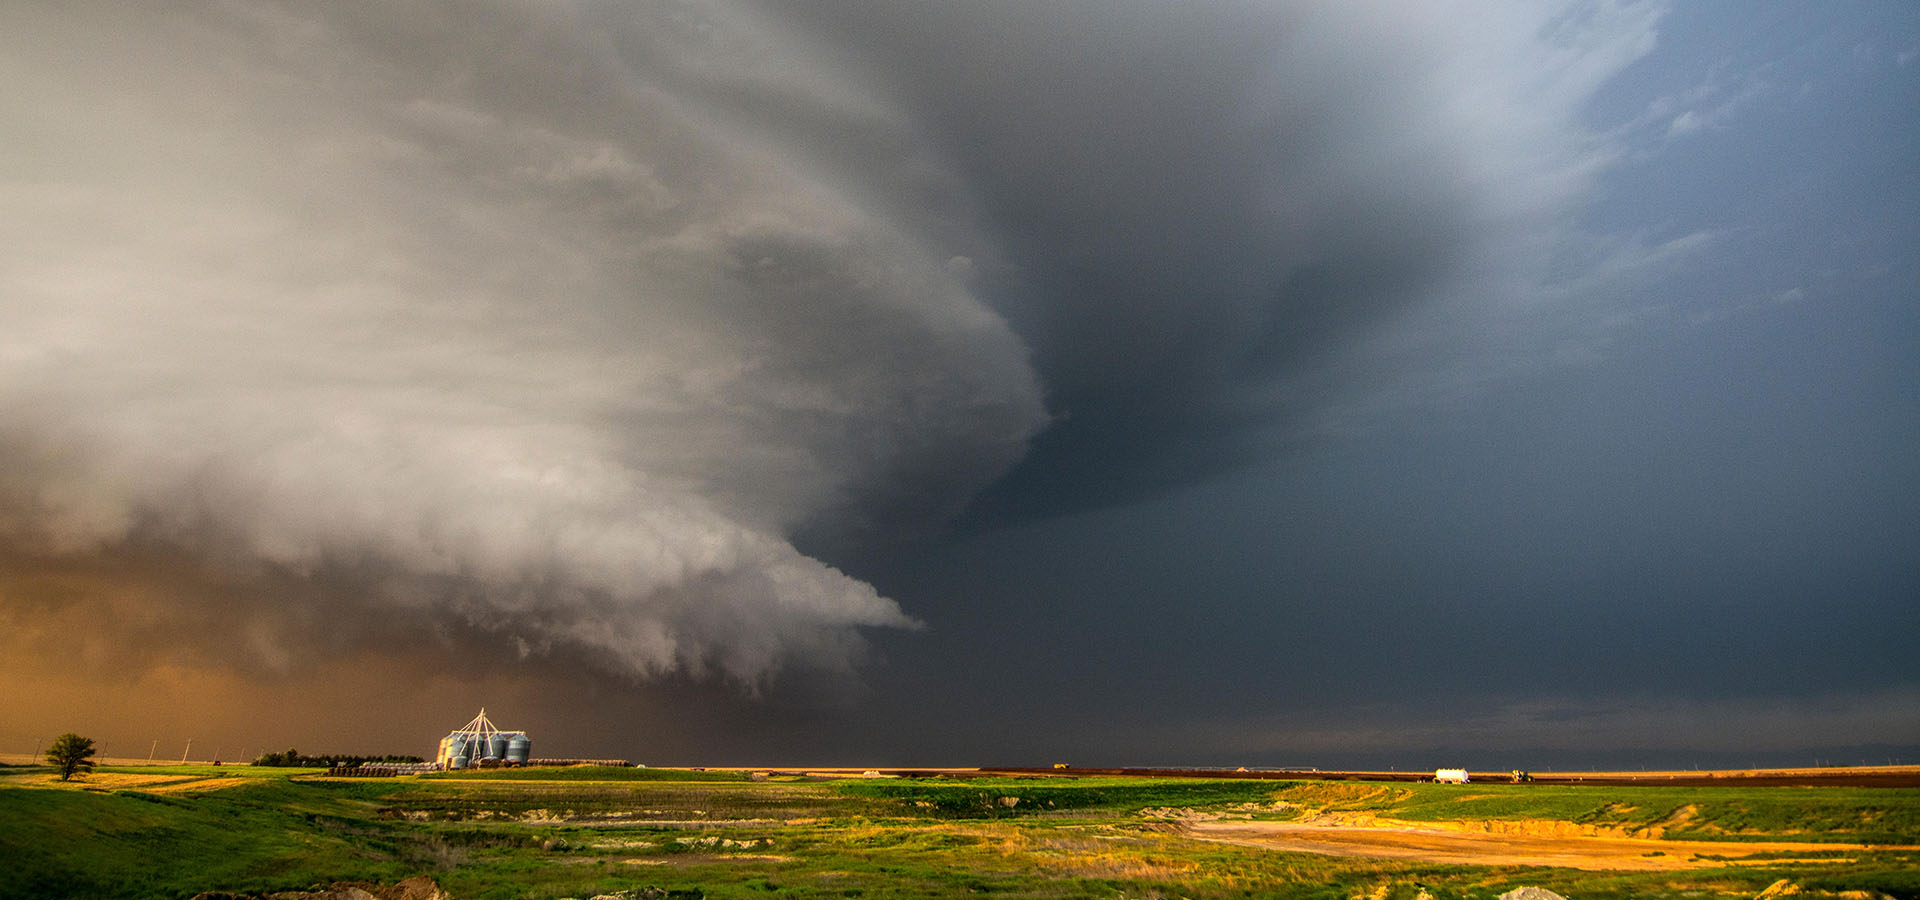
{"x": 1199, "y": 208}
{"x": 564, "y": 323}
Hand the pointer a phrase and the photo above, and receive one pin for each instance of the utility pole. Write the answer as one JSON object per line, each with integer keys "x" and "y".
{"x": 183, "y": 753}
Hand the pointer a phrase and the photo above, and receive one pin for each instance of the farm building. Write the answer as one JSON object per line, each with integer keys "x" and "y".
{"x": 479, "y": 743}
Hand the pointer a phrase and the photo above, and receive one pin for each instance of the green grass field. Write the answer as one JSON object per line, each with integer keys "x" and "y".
{"x": 170, "y": 832}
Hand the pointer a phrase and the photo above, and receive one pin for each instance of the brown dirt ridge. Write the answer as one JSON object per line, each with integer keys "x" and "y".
{"x": 1512, "y": 843}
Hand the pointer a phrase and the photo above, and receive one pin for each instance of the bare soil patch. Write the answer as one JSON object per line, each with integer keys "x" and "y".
{"x": 695, "y": 859}
{"x": 1510, "y": 845}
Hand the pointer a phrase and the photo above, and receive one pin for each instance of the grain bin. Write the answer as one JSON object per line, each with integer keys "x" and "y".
{"x": 481, "y": 742}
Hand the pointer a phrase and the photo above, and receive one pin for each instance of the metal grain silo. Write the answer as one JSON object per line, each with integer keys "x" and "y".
{"x": 496, "y": 745}
{"x": 519, "y": 748}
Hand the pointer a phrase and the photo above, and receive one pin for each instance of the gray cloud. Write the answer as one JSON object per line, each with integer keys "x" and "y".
{"x": 467, "y": 316}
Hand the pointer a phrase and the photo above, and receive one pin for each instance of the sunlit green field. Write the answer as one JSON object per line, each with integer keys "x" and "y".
{"x": 175, "y": 831}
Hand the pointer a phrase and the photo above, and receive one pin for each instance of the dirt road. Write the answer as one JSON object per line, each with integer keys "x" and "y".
{"x": 1406, "y": 841}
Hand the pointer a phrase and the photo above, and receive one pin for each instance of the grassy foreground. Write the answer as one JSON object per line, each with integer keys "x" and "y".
{"x": 170, "y": 832}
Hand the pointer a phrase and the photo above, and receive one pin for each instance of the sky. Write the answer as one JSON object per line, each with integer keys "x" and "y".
{"x": 1392, "y": 384}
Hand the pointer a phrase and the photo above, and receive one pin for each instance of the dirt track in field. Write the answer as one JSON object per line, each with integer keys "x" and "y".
{"x": 119, "y": 781}
{"x": 1426, "y": 844}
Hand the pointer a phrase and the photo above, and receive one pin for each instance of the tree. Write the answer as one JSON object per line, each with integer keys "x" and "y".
{"x": 71, "y": 754}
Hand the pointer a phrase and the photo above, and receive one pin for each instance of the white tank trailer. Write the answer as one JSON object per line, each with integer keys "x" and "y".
{"x": 479, "y": 743}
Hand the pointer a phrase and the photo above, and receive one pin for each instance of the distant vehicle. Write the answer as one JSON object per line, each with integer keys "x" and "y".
{"x": 1450, "y": 776}
{"x": 1060, "y": 765}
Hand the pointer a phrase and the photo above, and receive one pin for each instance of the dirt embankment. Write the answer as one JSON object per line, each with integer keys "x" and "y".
{"x": 1494, "y": 843}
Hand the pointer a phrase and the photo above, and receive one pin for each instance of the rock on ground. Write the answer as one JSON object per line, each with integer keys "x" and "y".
{"x": 1786, "y": 888}
{"x": 1531, "y": 893}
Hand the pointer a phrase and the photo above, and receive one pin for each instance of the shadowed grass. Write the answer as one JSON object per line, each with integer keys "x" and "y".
{"x": 62, "y": 843}
{"x": 1003, "y": 797}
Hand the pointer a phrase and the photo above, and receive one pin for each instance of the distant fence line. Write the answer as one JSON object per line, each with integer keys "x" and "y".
{"x": 390, "y": 770}
{"x": 381, "y": 770}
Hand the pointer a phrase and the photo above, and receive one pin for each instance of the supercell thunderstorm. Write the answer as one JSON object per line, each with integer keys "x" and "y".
{"x": 557, "y": 325}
